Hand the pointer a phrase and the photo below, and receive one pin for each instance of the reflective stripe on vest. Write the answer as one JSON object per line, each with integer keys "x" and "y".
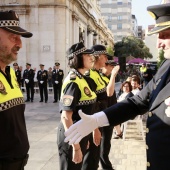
{"x": 87, "y": 96}
{"x": 9, "y": 97}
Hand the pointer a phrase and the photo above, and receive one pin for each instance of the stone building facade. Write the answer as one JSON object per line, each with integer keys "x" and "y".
{"x": 56, "y": 25}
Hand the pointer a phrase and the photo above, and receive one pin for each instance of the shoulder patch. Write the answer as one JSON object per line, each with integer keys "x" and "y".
{"x": 67, "y": 100}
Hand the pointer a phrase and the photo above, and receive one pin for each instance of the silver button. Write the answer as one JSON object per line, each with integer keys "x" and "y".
{"x": 148, "y": 164}
{"x": 147, "y": 130}
{"x": 150, "y": 114}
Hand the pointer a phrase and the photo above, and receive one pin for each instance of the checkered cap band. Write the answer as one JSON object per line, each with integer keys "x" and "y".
{"x": 86, "y": 102}
{"x": 79, "y": 51}
{"x": 9, "y": 23}
{"x": 100, "y": 52}
{"x": 11, "y": 103}
{"x": 100, "y": 91}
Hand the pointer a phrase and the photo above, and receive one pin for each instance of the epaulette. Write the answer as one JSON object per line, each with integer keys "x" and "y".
{"x": 72, "y": 76}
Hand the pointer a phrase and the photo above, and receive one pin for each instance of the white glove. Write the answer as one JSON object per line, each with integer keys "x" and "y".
{"x": 41, "y": 82}
{"x": 56, "y": 82}
{"x": 26, "y": 80}
{"x": 167, "y": 110}
{"x": 81, "y": 128}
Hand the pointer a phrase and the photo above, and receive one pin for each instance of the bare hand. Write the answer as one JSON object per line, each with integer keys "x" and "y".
{"x": 77, "y": 156}
{"x": 96, "y": 137}
{"x": 115, "y": 70}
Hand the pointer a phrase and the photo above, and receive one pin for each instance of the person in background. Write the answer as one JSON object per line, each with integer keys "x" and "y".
{"x": 35, "y": 80}
{"x": 50, "y": 83}
{"x": 29, "y": 82}
{"x": 147, "y": 76}
{"x": 42, "y": 77}
{"x": 22, "y": 80}
{"x": 108, "y": 74}
{"x": 154, "y": 98}
{"x": 57, "y": 76}
{"x": 143, "y": 69}
{"x": 127, "y": 92}
{"x": 76, "y": 94}
{"x": 14, "y": 144}
{"x": 17, "y": 73}
{"x": 135, "y": 83}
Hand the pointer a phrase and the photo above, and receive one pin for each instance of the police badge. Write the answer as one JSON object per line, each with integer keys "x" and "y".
{"x": 2, "y": 88}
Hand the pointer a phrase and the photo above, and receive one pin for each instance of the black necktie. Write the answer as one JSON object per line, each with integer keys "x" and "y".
{"x": 164, "y": 80}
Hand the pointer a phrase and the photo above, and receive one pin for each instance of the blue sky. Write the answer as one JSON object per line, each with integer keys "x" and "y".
{"x": 139, "y": 10}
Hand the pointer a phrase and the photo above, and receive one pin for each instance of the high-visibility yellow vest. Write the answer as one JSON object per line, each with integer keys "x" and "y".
{"x": 105, "y": 78}
{"x": 10, "y": 96}
{"x": 101, "y": 86}
{"x": 87, "y": 96}
{"x": 142, "y": 70}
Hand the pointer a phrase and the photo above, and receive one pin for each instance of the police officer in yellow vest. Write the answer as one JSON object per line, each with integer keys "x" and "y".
{"x": 91, "y": 159}
{"x": 14, "y": 143}
{"x": 76, "y": 94}
{"x": 108, "y": 74}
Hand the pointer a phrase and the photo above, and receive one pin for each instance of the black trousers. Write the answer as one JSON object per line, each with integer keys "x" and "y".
{"x": 65, "y": 151}
{"x": 13, "y": 164}
{"x": 105, "y": 148}
{"x": 57, "y": 91}
{"x": 91, "y": 158}
{"x": 30, "y": 88}
{"x": 43, "y": 91}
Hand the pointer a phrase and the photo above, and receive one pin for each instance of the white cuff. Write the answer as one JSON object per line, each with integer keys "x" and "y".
{"x": 101, "y": 119}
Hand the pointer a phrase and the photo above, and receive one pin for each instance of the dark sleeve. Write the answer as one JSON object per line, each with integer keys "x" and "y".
{"x": 38, "y": 76}
{"x": 131, "y": 107}
{"x": 130, "y": 94}
{"x": 70, "y": 98}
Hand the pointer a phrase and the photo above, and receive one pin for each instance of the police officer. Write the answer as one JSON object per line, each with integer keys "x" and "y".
{"x": 91, "y": 159}
{"x": 28, "y": 77}
{"x": 14, "y": 144}
{"x": 76, "y": 94}
{"x": 155, "y": 98}
{"x": 42, "y": 77}
{"x": 57, "y": 76}
{"x": 108, "y": 73}
{"x": 17, "y": 73}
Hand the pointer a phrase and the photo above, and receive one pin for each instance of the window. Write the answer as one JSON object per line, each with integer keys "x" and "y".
{"x": 119, "y": 17}
{"x": 119, "y": 3}
{"x": 109, "y": 18}
{"x": 110, "y": 27}
{"x": 119, "y": 26}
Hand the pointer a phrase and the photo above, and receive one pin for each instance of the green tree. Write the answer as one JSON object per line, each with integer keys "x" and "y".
{"x": 132, "y": 46}
{"x": 110, "y": 50}
{"x": 161, "y": 58}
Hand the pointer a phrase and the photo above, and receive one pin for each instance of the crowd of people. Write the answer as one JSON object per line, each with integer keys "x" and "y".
{"x": 42, "y": 81}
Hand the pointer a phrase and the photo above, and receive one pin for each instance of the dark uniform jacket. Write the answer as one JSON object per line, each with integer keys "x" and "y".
{"x": 58, "y": 76}
{"x": 29, "y": 74}
{"x": 18, "y": 76}
{"x": 42, "y": 76}
{"x": 151, "y": 99}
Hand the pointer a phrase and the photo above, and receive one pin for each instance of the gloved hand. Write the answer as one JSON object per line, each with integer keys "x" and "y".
{"x": 56, "y": 82}
{"x": 41, "y": 82}
{"x": 167, "y": 110}
{"x": 81, "y": 128}
{"x": 26, "y": 80}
